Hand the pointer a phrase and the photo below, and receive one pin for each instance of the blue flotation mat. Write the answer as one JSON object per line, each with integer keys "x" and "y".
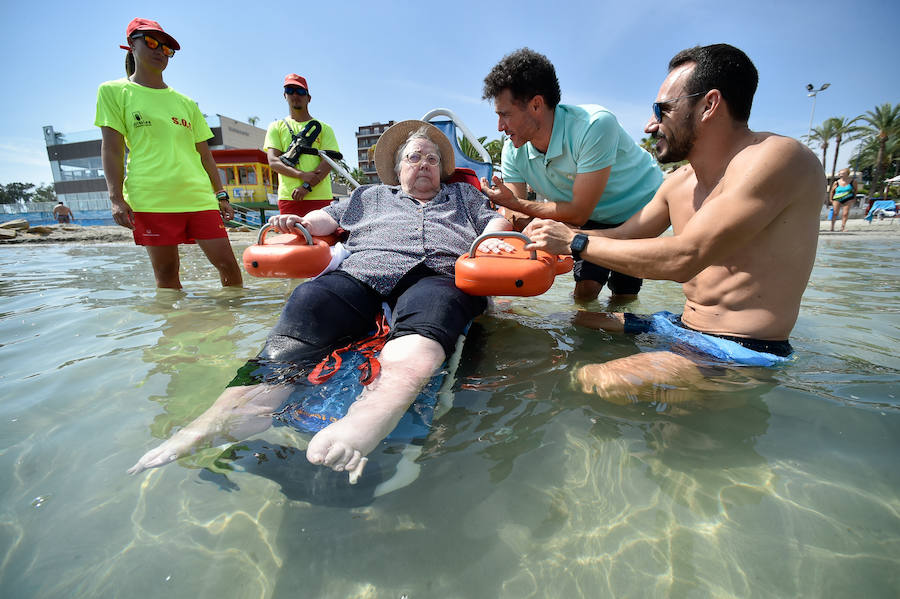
{"x": 310, "y": 408}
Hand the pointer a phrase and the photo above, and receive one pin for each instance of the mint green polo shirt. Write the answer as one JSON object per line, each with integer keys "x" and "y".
{"x": 585, "y": 139}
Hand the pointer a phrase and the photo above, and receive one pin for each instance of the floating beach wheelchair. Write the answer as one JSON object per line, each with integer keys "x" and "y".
{"x": 519, "y": 273}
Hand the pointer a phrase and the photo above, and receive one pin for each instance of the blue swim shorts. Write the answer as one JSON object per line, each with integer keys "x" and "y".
{"x": 735, "y": 350}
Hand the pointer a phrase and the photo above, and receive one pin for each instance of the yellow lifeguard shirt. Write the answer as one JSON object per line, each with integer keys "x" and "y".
{"x": 161, "y": 129}
{"x": 279, "y": 138}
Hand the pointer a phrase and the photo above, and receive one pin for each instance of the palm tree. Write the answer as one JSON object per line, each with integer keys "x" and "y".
{"x": 468, "y": 148}
{"x": 844, "y": 130}
{"x": 495, "y": 149}
{"x": 361, "y": 177}
{"x": 253, "y": 120}
{"x": 822, "y": 135}
{"x": 884, "y": 124}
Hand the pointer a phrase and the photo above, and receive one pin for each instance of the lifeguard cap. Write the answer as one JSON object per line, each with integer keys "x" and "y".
{"x": 295, "y": 80}
{"x": 138, "y": 24}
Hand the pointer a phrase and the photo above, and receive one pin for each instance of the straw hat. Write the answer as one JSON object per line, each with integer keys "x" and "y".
{"x": 396, "y": 135}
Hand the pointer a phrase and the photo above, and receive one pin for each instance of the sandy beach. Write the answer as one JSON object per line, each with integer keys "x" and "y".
{"x": 73, "y": 233}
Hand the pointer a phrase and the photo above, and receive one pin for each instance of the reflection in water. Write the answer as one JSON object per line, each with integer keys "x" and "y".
{"x": 776, "y": 483}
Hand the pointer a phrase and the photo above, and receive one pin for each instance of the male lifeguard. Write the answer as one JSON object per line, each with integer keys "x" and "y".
{"x": 745, "y": 217}
{"x": 305, "y": 185}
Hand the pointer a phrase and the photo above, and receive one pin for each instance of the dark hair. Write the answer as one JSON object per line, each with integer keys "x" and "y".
{"x": 129, "y": 64}
{"x": 725, "y": 68}
{"x": 526, "y": 74}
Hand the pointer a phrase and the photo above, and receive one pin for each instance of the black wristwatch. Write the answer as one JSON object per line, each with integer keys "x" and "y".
{"x": 306, "y": 186}
{"x": 579, "y": 242}
{"x": 222, "y": 196}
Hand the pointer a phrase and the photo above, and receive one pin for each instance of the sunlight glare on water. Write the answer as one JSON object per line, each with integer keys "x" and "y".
{"x": 768, "y": 483}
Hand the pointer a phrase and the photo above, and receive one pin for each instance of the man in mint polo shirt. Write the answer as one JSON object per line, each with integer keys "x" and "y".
{"x": 591, "y": 172}
{"x": 305, "y": 186}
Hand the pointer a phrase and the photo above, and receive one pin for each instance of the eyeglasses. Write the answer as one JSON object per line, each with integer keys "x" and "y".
{"x": 295, "y": 90}
{"x": 417, "y": 157}
{"x": 154, "y": 43}
{"x": 658, "y": 106}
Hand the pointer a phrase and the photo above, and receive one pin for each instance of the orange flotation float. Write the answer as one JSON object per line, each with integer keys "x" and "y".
{"x": 287, "y": 256}
{"x": 520, "y": 272}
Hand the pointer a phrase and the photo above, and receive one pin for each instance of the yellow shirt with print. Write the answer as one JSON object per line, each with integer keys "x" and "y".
{"x": 161, "y": 127}
{"x": 279, "y": 138}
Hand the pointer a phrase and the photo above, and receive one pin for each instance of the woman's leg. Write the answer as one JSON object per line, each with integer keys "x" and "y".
{"x": 835, "y": 206}
{"x": 845, "y": 214}
{"x": 165, "y": 262}
{"x": 220, "y": 255}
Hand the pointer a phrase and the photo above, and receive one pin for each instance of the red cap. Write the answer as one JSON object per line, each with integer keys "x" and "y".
{"x": 295, "y": 79}
{"x": 139, "y": 24}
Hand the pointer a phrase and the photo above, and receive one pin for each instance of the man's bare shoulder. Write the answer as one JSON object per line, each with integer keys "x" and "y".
{"x": 779, "y": 152}
{"x": 776, "y": 160}
{"x": 683, "y": 175}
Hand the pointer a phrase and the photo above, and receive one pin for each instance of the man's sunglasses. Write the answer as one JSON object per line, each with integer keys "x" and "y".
{"x": 154, "y": 43}
{"x": 295, "y": 90}
{"x": 658, "y": 107}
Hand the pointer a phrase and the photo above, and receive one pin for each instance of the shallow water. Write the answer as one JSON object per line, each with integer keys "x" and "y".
{"x": 781, "y": 483}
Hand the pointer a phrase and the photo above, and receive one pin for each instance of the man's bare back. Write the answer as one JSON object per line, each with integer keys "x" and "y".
{"x": 755, "y": 290}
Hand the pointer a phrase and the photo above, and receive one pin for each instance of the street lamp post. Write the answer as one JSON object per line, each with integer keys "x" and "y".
{"x": 812, "y": 94}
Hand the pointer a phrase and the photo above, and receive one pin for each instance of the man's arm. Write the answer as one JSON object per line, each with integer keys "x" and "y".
{"x": 586, "y": 192}
{"x": 650, "y": 221}
{"x": 282, "y": 169}
{"x": 757, "y": 190}
{"x": 112, "y": 156}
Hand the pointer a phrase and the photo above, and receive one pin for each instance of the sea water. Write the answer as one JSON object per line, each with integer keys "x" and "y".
{"x": 782, "y": 483}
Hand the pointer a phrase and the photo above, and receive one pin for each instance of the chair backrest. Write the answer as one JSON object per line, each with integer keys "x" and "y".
{"x": 465, "y": 175}
{"x": 481, "y": 169}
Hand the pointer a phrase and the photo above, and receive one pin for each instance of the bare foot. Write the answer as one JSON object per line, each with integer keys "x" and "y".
{"x": 343, "y": 444}
{"x": 407, "y": 362}
{"x": 646, "y": 376}
{"x": 180, "y": 445}
{"x": 238, "y": 413}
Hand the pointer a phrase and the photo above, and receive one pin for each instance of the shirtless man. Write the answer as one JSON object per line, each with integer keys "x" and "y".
{"x": 744, "y": 213}
{"x": 62, "y": 213}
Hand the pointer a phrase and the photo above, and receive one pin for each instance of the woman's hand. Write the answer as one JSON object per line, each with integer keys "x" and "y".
{"x": 226, "y": 210}
{"x": 494, "y": 245}
{"x": 285, "y": 223}
{"x": 123, "y": 214}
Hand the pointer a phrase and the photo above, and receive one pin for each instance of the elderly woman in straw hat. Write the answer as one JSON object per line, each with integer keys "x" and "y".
{"x": 404, "y": 239}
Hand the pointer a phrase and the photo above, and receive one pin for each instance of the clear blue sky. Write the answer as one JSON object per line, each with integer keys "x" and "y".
{"x": 376, "y": 61}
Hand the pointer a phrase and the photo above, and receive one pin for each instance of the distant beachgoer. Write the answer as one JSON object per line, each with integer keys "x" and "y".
{"x": 404, "y": 239}
{"x": 63, "y": 213}
{"x": 842, "y": 194}
{"x": 172, "y": 193}
{"x": 745, "y": 217}
{"x": 306, "y": 185}
{"x": 579, "y": 158}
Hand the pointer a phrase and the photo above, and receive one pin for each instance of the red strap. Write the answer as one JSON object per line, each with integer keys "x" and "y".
{"x": 368, "y": 347}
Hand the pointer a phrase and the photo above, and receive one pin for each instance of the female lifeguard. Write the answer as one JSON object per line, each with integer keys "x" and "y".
{"x": 170, "y": 192}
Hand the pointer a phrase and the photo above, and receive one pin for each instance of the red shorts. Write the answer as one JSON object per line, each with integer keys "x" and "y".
{"x": 301, "y": 207}
{"x": 172, "y": 228}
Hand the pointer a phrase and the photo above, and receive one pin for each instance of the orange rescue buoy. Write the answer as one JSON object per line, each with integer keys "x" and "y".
{"x": 287, "y": 256}
{"x": 520, "y": 272}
